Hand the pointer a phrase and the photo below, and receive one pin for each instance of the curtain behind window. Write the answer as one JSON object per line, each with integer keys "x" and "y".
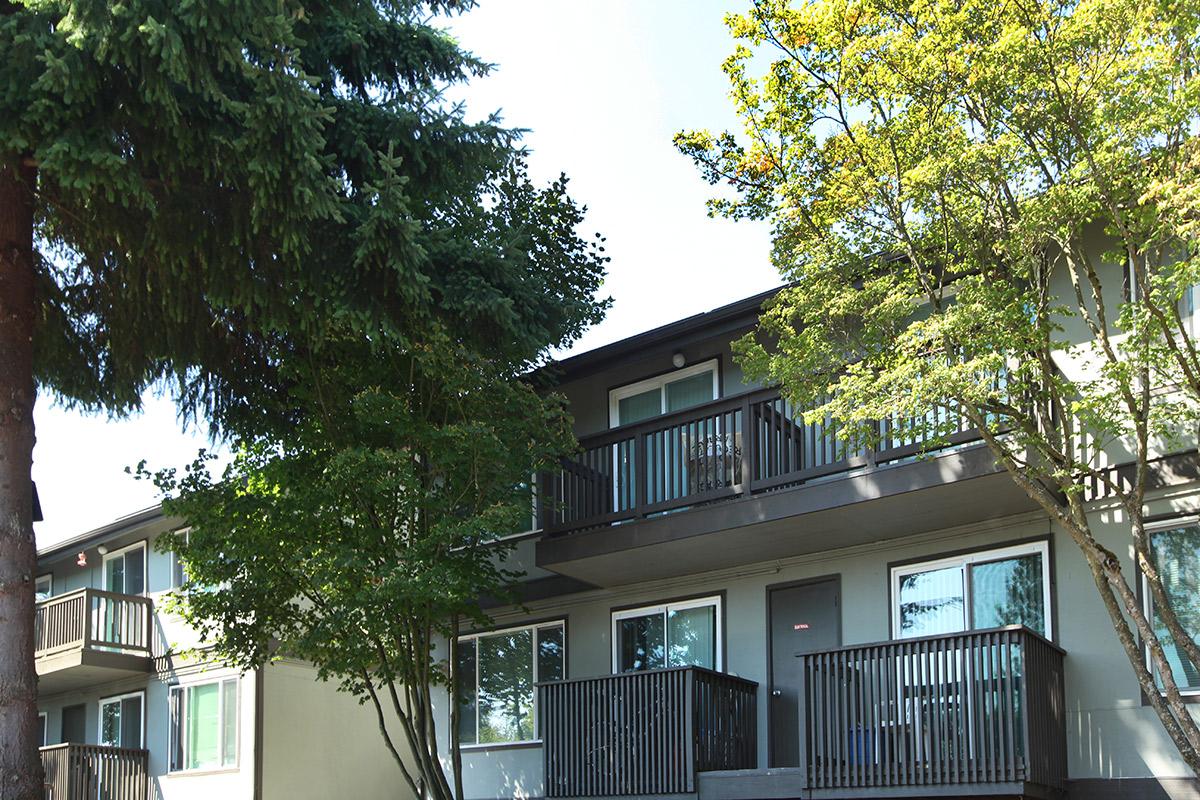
{"x": 691, "y": 391}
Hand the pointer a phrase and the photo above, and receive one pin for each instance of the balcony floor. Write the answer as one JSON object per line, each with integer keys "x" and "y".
{"x": 79, "y": 667}
{"x": 955, "y": 488}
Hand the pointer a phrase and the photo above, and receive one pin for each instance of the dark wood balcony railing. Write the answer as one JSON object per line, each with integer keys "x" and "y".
{"x": 749, "y": 443}
{"x": 92, "y": 618}
{"x": 969, "y": 708}
{"x": 89, "y": 771}
{"x": 645, "y": 733}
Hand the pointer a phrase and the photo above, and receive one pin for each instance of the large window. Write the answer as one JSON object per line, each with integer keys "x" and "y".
{"x": 1175, "y": 546}
{"x": 125, "y": 570}
{"x": 986, "y": 589}
{"x": 122, "y": 719}
{"x": 178, "y": 571}
{"x": 43, "y": 587}
{"x": 204, "y": 726}
{"x": 496, "y": 674}
{"x": 683, "y": 634}
{"x": 682, "y": 388}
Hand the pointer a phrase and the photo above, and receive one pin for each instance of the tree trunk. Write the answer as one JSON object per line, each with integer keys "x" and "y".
{"x": 455, "y": 713}
{"x": 20, "y": 765}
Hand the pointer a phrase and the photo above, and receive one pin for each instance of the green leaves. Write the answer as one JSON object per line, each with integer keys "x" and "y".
{"x": 382, "y": 505}
{"x": 216, "y": 178}
{"x": 943, "y": 179}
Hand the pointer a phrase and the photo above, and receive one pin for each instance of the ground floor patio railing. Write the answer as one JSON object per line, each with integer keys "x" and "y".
{"x": 95, "y": 772}
{"x": 645, "y": 733}
{"x": 968, "y": 708}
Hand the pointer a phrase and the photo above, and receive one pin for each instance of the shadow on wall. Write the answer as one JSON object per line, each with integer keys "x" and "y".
{"x": 503, "y": 773}
{"x": 1122, "y": 743}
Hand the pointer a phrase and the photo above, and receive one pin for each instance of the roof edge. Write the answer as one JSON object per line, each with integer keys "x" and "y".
{"x": 575, "y": 365}
{"x": 97, "y": 535}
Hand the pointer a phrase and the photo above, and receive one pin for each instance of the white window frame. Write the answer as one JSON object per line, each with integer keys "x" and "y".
{"x": 533, "y": 627}
{"x": 117, "y": 698}
{"x": 615, "y": 396}
{"x": 237, "y": 727}
{"x": 176, "y": 567}
{"x": 963, "y": 562}
{"x": 665, "y": 608}
{"x": 49, "y": 578}
{"x": 1152, "y": 528}
{"x": 1191, "y": 311}
{"x": 115, "y": 553}
{"x": 44, "y": 721}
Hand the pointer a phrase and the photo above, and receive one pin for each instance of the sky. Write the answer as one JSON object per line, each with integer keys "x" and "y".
{"x": 601, "y": 87}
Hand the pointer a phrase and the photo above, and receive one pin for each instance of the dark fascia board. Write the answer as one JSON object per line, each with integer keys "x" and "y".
{"x": 742, "y": 313}
{"x": 105, "y": 532}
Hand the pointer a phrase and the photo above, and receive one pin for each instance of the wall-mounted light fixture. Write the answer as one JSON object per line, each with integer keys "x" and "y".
{"x": 678, "y": 360}
{"x": 102, "y": 550}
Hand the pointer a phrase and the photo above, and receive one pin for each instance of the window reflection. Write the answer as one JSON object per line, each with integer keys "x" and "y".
{"x": 973, "y": 591}
{"x": 496, "y": 675}
{"x": 674, "y": 635}
{"x": 1009, "y": 592}
{"x": 506, "y": 687}
{"x": 931, "y": 602}
{"x": 1177, "y": 555}
{"x": 643, "y": 643}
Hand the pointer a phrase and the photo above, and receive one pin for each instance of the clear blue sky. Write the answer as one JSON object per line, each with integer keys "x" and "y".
{"x": 602, "y": 87}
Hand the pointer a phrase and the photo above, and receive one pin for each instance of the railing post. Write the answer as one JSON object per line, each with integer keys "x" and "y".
{"x": 640, "y": 477}
{"x": 870, "y": 452}
{"x": 544, "y": 501}
{"x": 690, "y": 731}
{"x": 802, "y": 720}
{"x": 148, "y": 610}
{"x": 87, "y": 618}
{"x": 748, "y": 445}
{"x": 1022, "y": 641}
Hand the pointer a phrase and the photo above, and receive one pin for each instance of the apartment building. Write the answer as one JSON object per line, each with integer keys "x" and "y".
{"x": 726, "y": 603}
{"x": 722, "y": 602}
{"x": 133, "y": 707}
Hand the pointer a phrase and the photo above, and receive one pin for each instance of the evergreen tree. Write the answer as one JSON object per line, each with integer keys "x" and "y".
{"x": 190, "y": 192}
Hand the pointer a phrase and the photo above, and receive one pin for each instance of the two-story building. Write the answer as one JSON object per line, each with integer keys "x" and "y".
{"x": 726, "y": 603}
{"x": 133, "y": 708}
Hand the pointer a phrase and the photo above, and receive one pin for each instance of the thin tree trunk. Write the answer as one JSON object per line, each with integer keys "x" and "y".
{"x": 20, "y": 765}
{"x": 455, "y": 713}
{"x": 1119, "y": 601}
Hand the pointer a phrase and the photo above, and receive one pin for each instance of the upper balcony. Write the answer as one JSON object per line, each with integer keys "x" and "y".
{"x": 723, "y": 483}
{"x": 91, "y": 636}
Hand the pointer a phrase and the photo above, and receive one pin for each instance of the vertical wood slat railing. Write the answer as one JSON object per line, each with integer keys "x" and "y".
{"x": 645, "y": 733}
{"x": 88, "y": 772}
{"x": 753, "y": 442}
{"x": 967, "y": 708}
{"x": 89, "y": 618}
